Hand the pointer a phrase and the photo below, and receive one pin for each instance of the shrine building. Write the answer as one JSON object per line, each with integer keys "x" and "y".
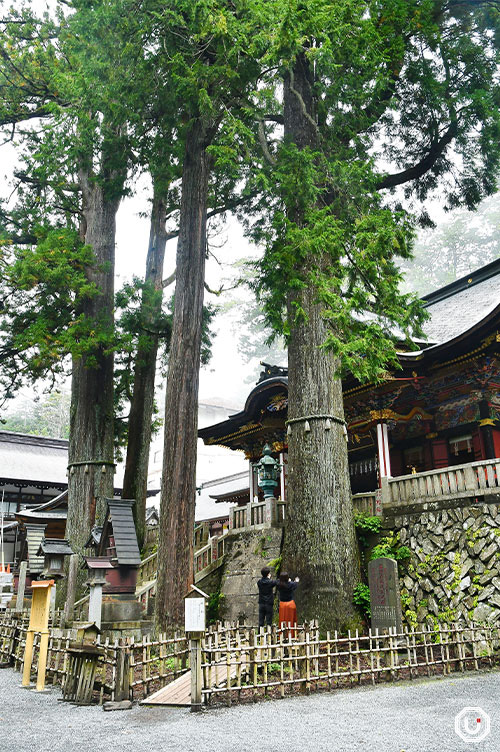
{"x": 440, "y": 409}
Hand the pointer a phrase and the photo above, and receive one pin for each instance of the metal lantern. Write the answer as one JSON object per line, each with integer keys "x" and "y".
{"x": 269, "y": 471}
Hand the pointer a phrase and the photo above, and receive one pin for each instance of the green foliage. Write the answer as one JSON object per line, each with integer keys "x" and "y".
{"x": 366, "y": 525}
{"x": 361, "y": 598}
{"x": 274, "y": 668}
{"x": 390, "y": 547}
{"x": 275, "y": 564}
{"x": 214, "y": 606}
{"x": 43, "y": 289}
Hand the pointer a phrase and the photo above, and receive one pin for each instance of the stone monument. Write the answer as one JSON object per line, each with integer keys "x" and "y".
{"x": 385, "y": 597}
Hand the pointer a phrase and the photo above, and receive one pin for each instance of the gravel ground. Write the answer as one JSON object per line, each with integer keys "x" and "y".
{"x": 413, "y": 716}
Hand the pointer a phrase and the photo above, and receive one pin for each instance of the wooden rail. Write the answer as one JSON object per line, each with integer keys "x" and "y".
{"x": 147, "y": 569}
{"x": 475, "y": 479}
{"x": 209, "y": 557}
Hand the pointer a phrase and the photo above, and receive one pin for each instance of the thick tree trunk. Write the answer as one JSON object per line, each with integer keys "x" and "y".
{"x": 175, "y": 549}
{"x": 141, "y": 408}
{"x": 320, "y": 545}
{"x": 91, "y": 446}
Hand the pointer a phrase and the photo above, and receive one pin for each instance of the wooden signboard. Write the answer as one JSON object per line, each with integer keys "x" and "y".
{"x": 194, "y": 617}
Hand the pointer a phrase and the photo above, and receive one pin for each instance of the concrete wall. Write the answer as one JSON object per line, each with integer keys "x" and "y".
{"x": 454, "y": 570}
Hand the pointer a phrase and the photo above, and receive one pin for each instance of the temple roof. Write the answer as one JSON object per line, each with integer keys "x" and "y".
{"x": 463, "y": 304}
{"x": 464, "y": 317}
{"x": 33, "y": 458}
{"x": 40, "y": 461}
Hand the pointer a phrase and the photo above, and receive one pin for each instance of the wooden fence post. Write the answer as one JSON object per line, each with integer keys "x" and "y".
{"x": 71, "y": 588}
{"x": 122, "y": 681}
{"x": 196, "y": 674}
{"x": 21, "y": 585}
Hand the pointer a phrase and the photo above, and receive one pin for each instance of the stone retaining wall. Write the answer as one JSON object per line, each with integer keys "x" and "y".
{"x": 454, "y": 570}
{"x": 246, "y": 554}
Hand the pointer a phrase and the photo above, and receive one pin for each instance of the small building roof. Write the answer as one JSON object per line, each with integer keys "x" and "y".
{"x": 120, "y": 519}
{"x": 98, "y": 562}
{"x": 58, "y": 546}
{"x": 241, "y": 494}
{"x": 152, "y": 516}
{"x": 95, "y": 536}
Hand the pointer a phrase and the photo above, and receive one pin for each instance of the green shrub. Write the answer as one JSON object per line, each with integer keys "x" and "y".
{"x": 391, "y": 548}
{"x": 361, "y": 597}
{"x": 215, "y": 601}
{"x": 365, "y": 526}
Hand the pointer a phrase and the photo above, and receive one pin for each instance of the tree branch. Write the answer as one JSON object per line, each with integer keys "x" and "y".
{"x": 221, "y": 289}
{"x": 374, "y": 111}
{"x": 264, "y": 145}
{"x": 168, "y": 281}
{"x": 415, "y": 172}
{"x": 212, "y": 213}
{"x": 270, "y": 118}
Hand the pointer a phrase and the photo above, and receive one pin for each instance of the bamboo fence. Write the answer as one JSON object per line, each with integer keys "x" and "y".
{"x": 276, "y": 662}
{"x": 240, "y": 663}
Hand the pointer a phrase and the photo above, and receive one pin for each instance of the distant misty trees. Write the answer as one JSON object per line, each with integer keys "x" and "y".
{"x": 462, "y": 242}
{"x": 46, "y": 416}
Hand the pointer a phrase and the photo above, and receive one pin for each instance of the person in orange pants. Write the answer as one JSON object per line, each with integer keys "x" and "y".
{"x": 288, "y": 609}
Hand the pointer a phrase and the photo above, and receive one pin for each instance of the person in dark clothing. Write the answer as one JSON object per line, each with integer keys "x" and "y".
{"x": 288, "y": 609}
{"x": 266, "y": 597}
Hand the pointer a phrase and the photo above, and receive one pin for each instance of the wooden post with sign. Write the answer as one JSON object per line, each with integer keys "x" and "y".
{"x": 39, "y": 622}
{"x": 194, "y": 623}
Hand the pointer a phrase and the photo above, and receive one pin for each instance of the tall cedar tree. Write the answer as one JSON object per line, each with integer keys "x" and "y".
{"x": 402, "y": 82}
{"x": 63, "y": 72}
{"x": 211, "y": 62}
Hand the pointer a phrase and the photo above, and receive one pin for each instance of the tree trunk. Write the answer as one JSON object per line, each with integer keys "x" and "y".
{"x": 141, "y": 408}
{"x": 320, "y": 544}
{"x": 91, "y": 445}
{"x": 178, "y": 488}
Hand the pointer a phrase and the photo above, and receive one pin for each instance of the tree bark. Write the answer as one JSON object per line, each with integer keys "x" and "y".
{"x": 141, "y": 408}
{"x": 178, "y": 489}
{"x": 91, "y": 443}
{"x": 319, "y": 543}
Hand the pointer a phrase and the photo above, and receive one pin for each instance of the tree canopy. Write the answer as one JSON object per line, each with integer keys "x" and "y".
{"x": 326, "y": 124}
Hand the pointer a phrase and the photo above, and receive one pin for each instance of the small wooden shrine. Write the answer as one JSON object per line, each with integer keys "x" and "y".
{"x": 118, "y": 544}
{"x": 441, "y": 408}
